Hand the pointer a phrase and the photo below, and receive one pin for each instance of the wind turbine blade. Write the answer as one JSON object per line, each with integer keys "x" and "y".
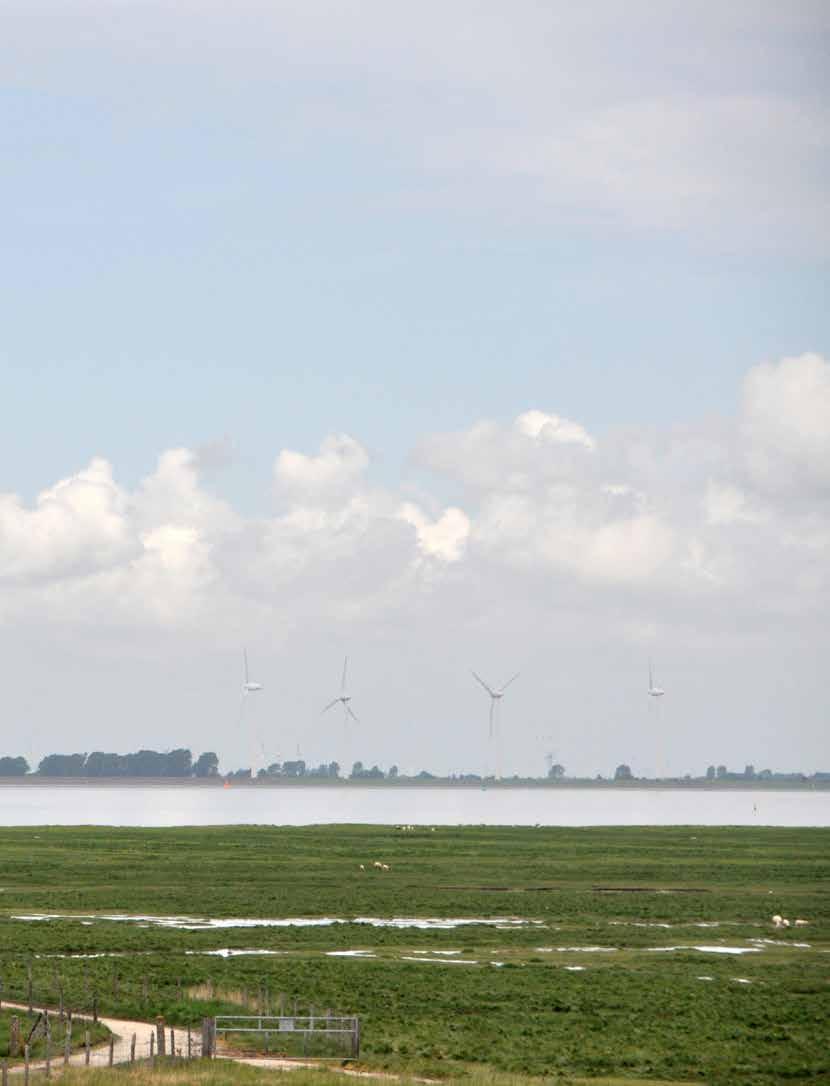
{"x": 330, "y": 705}
{"x": 509, "y": 681}
{"x": 650, "y": 678}
{"x": 343, "y": 680}
{"x": 245, "y": 655}
{"x": 350, "y": 711}
{"x": 492, "y": 714}
{"x": 479, "y": 679}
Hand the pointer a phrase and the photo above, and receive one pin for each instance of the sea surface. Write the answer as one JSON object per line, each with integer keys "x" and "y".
{"x": 25, "y": 805}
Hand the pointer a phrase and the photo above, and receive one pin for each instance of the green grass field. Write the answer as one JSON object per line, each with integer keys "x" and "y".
{"x": 523, "y": 997}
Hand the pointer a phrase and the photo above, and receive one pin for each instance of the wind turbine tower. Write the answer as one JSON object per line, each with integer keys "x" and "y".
{"x": 250, "y": 687}
{"x": 655, "y": 693}
{"x": 495, "y": 714}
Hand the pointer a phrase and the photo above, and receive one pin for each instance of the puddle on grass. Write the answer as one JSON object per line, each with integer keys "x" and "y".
{"x": 709, "y": 949}
{"x": 350, "y": 954}
{"x": 575, "y": 949}
{"x": 230, "y": 952}
{"x": 782, "y": 942}
{"x": 189, "y": 923}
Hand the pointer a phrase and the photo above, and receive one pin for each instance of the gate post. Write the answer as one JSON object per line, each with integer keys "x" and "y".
{"x": 207, "y": 1037}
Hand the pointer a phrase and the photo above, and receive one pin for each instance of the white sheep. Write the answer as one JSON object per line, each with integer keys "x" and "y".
{"x": 801, "y": 923}
{"x": 385, "y": 867}
{"x": 778, "y": 921}
{"x": 362, "y": 867}
{"x": 377, "y": 864}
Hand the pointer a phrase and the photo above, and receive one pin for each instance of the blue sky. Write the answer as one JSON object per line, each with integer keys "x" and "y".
{"x": 239, "y": 230}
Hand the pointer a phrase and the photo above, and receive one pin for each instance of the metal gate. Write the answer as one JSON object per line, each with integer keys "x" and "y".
{"x": 323, "y": 1037}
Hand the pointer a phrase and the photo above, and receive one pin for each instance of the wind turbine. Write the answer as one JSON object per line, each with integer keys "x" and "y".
{"x": 248, "y": 687}
{"x": 495, "y": 698}
{"x": 654, "y": 691}
{"x": 343, "y": 698}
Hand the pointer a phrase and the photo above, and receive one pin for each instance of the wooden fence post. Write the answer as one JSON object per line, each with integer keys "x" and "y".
{"x": 207, "y": 1037}
{"x": 95, "y": 1008}
{"x": 5, "y": 1073}
{"x": 160, "y": 1035}
{"x": 26, "y": 1065}
{"x": 14, "y": 1036}
{"x": 152, "y": 1050}
{"x": 29, "y": 985}
{"x": 132, "y": 1049}
{"x": 67, "y": 1047}
{"x": 86, "y": 1047}
{"x": 189, "y": 1045}
{"x": 112, "y": 1050}
{"x": 172, "y": 1043}
{"x": 48, "y": 1055}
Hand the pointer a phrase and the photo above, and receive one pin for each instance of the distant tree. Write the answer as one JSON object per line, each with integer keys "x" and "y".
{"x": 424, "y": 775}
{"x": 375, "y": 773}
{"x": 179, "y": 763}
{"x": 765, "y": 774}
{"x": 239, "y": 775}
{"x": 721, "y": 771}
{"x": 556, "y": 772}
{"x": 293, "y": 769}
{"x": 146, "y": 763}
{"x": 623, "y": 773}
{"x": 334, "y": 769}
{"x": 99, "y": 764}
{"x": 357, "y": 769}
{"x": 710, "y": 773}
{"x": 62, "y": 765}
{"x": 393, "y": 773}
{"x": 13, "y": 767}
{"x": 749, "y": 772}
{"x": 206, "y": 765}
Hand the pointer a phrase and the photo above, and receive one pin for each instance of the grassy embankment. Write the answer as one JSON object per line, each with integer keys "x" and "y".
{"x": 628, "y": 1010}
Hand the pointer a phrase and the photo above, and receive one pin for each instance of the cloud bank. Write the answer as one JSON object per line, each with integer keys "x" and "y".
{"x": 695, "y": 533}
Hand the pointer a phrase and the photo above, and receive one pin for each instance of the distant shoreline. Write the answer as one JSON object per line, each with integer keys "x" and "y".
{"x": 644, "y": 784}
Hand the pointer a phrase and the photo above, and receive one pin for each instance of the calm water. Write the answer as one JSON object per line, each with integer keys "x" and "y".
{"x": 70, "y": 806}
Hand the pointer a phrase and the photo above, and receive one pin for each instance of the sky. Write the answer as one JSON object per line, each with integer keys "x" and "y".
{"x": 445, "y": 337}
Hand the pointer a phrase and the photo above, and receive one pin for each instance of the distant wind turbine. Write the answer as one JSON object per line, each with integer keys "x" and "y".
{"x": 654, "y": 691}
{"x": 495, "y": 699}
{"x": 343, "y": 698}
{"x": 248, "y": 687}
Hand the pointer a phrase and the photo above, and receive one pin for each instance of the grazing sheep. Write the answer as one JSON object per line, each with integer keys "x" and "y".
{"x": 377, "y": 864}
{"x": 778, "y": 921}
{"x": 801, "y": 923}
{"x": 785, "y": 922}
{"x": 362, "y": 867}
{"x": 385, "y": 867}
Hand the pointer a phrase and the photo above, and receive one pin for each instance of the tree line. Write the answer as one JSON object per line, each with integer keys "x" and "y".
{"x": 177, "y": 763}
